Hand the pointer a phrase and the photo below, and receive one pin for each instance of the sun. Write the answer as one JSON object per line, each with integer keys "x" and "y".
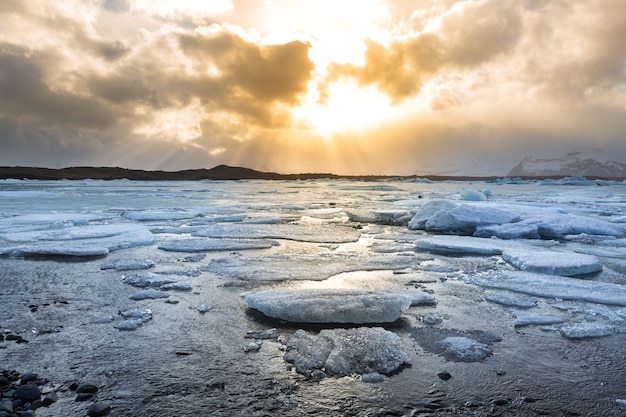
{"x": 346, "y": 107}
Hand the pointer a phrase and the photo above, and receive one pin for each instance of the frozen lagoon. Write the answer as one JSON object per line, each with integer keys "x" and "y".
{"x": 554, "y": 251}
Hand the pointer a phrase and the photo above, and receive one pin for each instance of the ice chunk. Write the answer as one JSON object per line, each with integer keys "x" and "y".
{"x": 427, "y": 210}
{"x": 472, "y": 195}
{"x": 203, "y": 308}
{"x": 139, "y": 313}
{"x": 209, "y": 245}
{"x": 553, "y": 286}
{"x": 135, "y": 317}
{"x": 149, "y": 294}
{"x": 586, "y": 330}
{"x": 176, "y": 286}
{"x": 432, "y": 318}
{"x": 512, "y": 299}
{"x": 464, "y": 219}
{"x": 372, "y": 378}
{"x": 330, "y": 305}
{"x": 526, "y": 318}
{"x": 128, "y": 325}
{"x": 559, "y": 225}
{"x": 464, "y": 349}
{"x": 61, "y": 249}
{"x": 342, "y": 352}
{"x": 461, "y": 245}
{"x": 152, "y": 280}
{"x": 419, "y": 298}
{"x": 551, "y": 262}
{"x": 129, "y": 265}
{"x": 519, "y": 230}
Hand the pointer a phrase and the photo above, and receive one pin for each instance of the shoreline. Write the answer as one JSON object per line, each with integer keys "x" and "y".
{"x": 225, "y": 172}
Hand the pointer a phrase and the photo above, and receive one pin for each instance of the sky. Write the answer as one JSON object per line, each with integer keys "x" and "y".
{"x": 394, "y": 87}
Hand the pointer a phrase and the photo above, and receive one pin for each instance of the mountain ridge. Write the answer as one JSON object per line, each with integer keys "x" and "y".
{"x": 226, "y": 172}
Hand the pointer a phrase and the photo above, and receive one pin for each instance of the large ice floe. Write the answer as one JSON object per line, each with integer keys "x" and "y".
{"x": 331, "y": 305}
{"x": 69, "y": 234}
{"x": 316, "y": 267}
{"x": 486, "y": 219}
{"x": 368, "y": 351}
{"x": 552, "y": 286}
{"x": 526, "y": 257}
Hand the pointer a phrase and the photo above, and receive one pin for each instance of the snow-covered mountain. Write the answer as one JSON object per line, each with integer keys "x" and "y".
{"x": 574, "y": 164}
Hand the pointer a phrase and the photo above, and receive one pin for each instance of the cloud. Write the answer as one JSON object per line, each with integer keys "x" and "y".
{"x": 467, "y": 36}
{"x": 25, "y": 95}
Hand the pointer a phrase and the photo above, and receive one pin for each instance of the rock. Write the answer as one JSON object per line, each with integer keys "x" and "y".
{"x": 86, "y": 389}
{"x": 444, "y": 375}
{"x": 28, "y": 392}
{"x": 98, "y": 409}
{"x": 6, "y": 406}
{"x": 50, "y": 399}
{"x": 83, "y": 397}
{"x": 4, "y": 381}
{"x": 26, "y": 378}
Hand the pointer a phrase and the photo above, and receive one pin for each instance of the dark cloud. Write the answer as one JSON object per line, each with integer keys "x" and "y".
{"x": 265, "y": 73}
{"x": 254, "y": 82}
{"x": 24, "y": 93}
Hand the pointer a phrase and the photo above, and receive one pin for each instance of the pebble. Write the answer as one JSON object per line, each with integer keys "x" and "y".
{"x": 22, "y": 394}
{"x": 98, "y": 409}
{"x": 28, "y": 392}
{"x": 444, "y": 375}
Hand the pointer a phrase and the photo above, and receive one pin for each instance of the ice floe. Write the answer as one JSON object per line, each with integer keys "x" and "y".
{"x": 302, "y": 267}
{"x": 526, "y": 318}
{"x": 149, "y": 294}
{"x": 326, "y": 233}
{"x": 551, "y": 262}
{"x": 511, "y": 299}
{"x": 586, "y": 330}
{"x": 214, "y": 245}
{"x": 343, "y": 352}
{"x": 129, "y": 264}
{"x": 133, "y": 318}
{"x": 464, "y": 349}
{"x": 331, "y": 305}
{"x": 522, "y": 256}
{"x": 486, "y": 219}
{"x": 552, "y": 286}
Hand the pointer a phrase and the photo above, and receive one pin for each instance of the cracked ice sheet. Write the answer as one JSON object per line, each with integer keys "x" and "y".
{"x": 327, "y": 233}
{"x": 135, "y": 236}
{"x": 553, "y": 286}
{"x": 316, "y": 267}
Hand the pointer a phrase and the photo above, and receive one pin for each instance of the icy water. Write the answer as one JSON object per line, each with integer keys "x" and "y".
{"x": 65, "y": 247}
